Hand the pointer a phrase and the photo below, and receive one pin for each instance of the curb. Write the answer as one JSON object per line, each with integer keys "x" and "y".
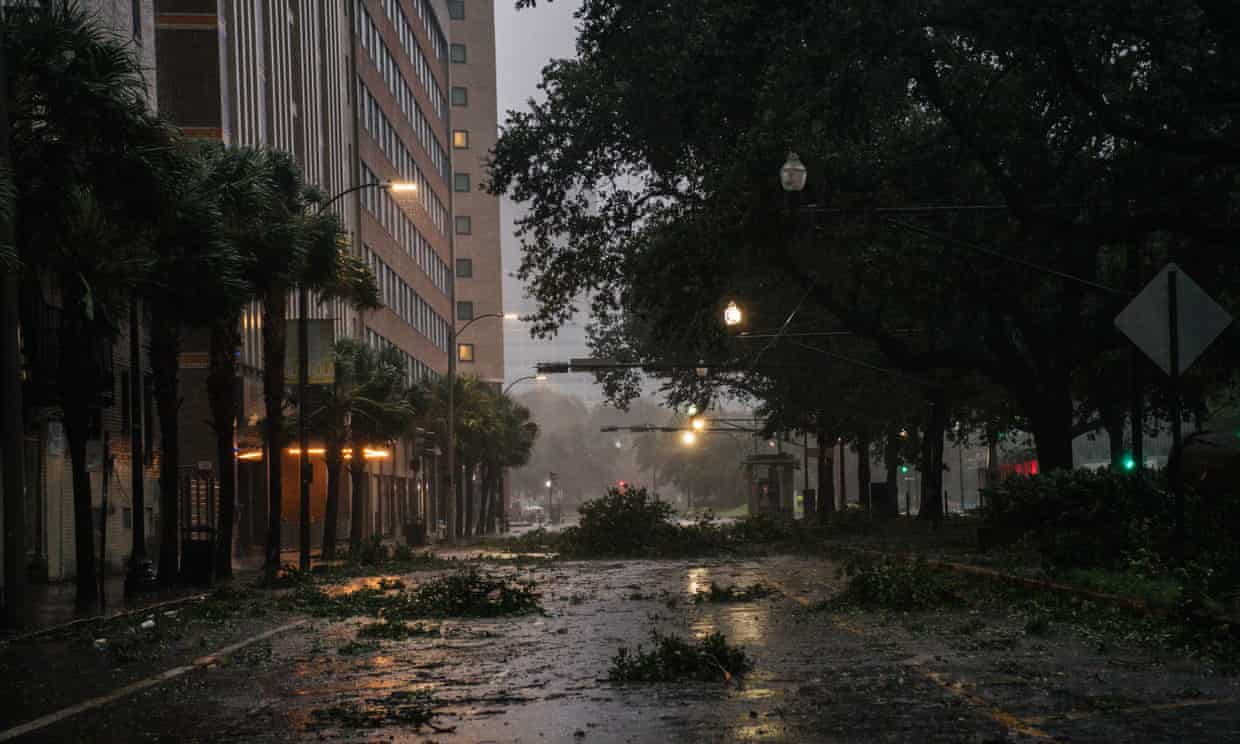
{"x": 82, "y": 621}
{"x": 1128, "y": 603}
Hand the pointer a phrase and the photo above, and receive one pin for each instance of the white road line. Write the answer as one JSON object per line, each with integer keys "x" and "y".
{"x": 102, "y": 700}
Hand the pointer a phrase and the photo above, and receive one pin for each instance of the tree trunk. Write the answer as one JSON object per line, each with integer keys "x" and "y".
{"x": 335, "y": 460}
{"x": 1113, "y": 422}
{"x": 222, "y": 399}
{"x": 357, "y": 500}
{"x": 165, "y": 345}
{"x": 863, "y": 473}
{"x": 462, "y": 497}
{"x": 274, "y": 337}
{"x": 78, "y": 380}
{"x": 503, "y": 502}
{"x": 12, "y": 410}
{"x": 470, "y": 499}
{"x": 891, "y": 461}
{"x": 1050, "y": 417}
{"x": 826, "y": 476}
{"x": 932, "y": 465}
{"x": 1136, "y": 412}
{"x": 77, "y": 417}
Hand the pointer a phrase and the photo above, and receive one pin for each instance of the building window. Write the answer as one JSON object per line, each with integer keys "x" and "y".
{"x": 460, "y": 182}
{"x": 464, "y": 225}
{"x": 457, "y": 54}
{"x": 460, "y": 96}
{"x": 464, "y": 268}
{"x": 465, "y": 352}
{"x": 137, "y": 20}
{"x": 456, "y": 10}
{"x": 460, "y": 139}
{"x": 464, "y": 311}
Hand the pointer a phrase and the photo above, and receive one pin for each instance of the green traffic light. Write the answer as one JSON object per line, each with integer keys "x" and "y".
{"x": 904, "y": 468}
{"x": 1129, "y": 463}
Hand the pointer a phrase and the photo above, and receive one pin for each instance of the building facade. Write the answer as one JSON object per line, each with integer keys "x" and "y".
{"x": 476, "y": 224}
{"x": 359, "y": 92}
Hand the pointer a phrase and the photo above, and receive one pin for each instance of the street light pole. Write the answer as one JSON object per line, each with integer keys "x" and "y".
{"x": 303, "y": 379}
{"x": 452, "y": 360}
{"x": 513, "y": 384}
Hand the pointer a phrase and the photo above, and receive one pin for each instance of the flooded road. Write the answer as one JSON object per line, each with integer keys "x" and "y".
{"x": 819, "y": 676}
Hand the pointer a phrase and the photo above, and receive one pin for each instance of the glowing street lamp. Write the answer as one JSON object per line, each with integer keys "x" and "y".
{"x": 688, "y": 438}
{"x": 732, "y": 315}
{"x": 699, "y": 423}
{"x": 792, "y": 174}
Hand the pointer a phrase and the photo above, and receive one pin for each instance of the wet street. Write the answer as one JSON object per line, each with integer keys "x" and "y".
{"x": 819, "y": 675}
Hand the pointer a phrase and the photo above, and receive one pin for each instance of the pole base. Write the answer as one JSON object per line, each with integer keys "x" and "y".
{"x": 141, "y": 577}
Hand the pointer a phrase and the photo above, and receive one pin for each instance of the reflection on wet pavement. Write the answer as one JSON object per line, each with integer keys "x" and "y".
{"x": 817, "y": 677}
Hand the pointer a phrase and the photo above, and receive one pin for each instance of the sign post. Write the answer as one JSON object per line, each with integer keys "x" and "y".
{"x": 1173, "y": 321}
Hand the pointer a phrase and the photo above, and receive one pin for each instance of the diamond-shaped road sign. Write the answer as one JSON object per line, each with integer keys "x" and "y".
{"x": 1146, "y": 320}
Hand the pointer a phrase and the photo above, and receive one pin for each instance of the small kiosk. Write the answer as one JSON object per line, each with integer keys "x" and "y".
{"x": 771, "y": 479}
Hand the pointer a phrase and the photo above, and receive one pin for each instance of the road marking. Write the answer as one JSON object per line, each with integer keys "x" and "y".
{"x": 1015, "y": 723}
{"x": 1077, "y": 715}
{"x": 173, "y": 673}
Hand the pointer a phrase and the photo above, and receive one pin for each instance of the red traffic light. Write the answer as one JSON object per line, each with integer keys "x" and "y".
{"x": 622, "y": 485}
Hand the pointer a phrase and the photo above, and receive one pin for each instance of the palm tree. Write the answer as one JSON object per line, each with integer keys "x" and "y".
{"x": 493, "y": 433}
{"x": 84, "y": 148}
{"x": 193, "y": 258}
{"x": 239, "y": 180}
{"x": 513, "y": 446}
{"x": 366, "y": 406}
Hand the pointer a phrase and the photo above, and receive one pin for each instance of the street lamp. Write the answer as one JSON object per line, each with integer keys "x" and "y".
{"x": 732, "y": 315}
{"x": 536, "y": 378}
{"x": 452, "y": 359}
{"x": 303, "y": 372}
{"x": 699, "y": 423}
{"x": 792, "y": 174}
{"x": 688, "y": 438}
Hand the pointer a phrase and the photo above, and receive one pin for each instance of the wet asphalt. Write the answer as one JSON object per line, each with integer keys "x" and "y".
{"x": 950, "y": 675}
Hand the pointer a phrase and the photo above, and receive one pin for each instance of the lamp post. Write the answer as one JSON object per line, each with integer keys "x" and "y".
{"x": 303, "y": 374}
{"x": 452, "y": 360}
{"x": 550, "y": 484}
{"x": 511, "y": 385}
{"x": 792, "y": 174}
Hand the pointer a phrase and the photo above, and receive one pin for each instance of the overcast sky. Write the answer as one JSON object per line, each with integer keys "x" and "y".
{"x": 524, "y": 42}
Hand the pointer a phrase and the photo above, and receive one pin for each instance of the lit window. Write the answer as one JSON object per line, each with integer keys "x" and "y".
{"x": 456, "y": 10}
{"x": 464, "y": 225}
{"x": 460, "y": 183}
{"x": 460, "y": 96}
{"x": 460, "y": 139}
{"x": 464, "y": 268}
{"x": 465, "y": 352}
{"x": 457, "y": 54}
{"x": 464, "y": 311}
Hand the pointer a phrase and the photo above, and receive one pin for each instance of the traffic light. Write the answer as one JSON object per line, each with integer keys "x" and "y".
{"x": 904, "y": 468}
{"x": 1129, "y": 463}
{"x": 622, "y": 485}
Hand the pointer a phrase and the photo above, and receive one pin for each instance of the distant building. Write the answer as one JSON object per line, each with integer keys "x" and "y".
{"x": 476, "y": 222}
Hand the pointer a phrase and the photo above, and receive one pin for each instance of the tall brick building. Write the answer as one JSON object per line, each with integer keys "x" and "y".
{"x": 359, "y": 92}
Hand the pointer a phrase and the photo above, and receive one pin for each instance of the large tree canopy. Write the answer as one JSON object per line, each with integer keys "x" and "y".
{"x": 1082, "y": 144}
